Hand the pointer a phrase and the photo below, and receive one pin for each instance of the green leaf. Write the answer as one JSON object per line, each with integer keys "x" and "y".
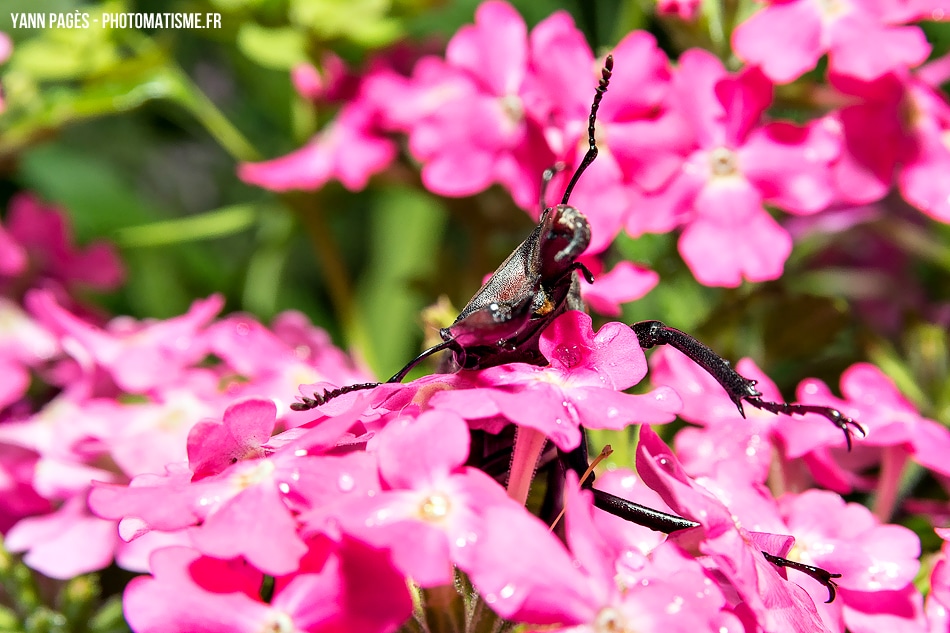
{"x": 278, "y": 48}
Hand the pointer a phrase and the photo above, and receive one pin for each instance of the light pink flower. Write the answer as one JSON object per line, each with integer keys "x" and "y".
{"x": 429, "y": 512}
{"x": 776, "y": 603}
{"x": 786, "y": 39}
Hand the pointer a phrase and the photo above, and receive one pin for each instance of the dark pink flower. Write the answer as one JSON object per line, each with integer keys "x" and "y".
{"x": 41, "y": 234}
{"x": 684, "y": 9}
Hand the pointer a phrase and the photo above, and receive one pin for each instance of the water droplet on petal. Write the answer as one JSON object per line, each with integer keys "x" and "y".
{"x": 284, "y": 487}
{"x": 612, "y": 412}
{"x": 346, "y": 483}
{"x": 675, "y": 605}
{"x": 568, "y": 356}
{"x": 507, "y": 591}
{"x": 300, "y": 452}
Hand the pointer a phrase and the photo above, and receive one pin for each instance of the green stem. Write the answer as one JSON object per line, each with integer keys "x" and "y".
{"x": 208, "y": 114}
{"x": 338, "y": 282}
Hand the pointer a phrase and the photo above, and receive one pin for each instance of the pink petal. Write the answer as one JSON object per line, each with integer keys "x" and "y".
{"x": 624, "y": 283}
{"x": 865, "y": 49}
{"x": 784, "y": 39}
{"x": 412, "y": 452}
{"x": 65, "y": 543}
{"x": 723, "y": 254}
{"x": 247, "y": 424}
{"x": 176, "y": 599}
{"x": 257, "y": 525}
{"x": 494, "y": 49}
{"x": 790, "y": 165}
{"x": 524, "y": 573}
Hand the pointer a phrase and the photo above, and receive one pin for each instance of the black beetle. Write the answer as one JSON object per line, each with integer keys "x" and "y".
{"x": 504, "y": 320}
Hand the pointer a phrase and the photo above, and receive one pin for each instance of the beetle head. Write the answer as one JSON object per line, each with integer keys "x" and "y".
{"x": 565, "y": 234}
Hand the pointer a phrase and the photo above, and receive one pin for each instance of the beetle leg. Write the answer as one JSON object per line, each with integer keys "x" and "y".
{"x": 821, "y": 575}
{"x": 739, "y": 388}
{"x": 576, "y": 460}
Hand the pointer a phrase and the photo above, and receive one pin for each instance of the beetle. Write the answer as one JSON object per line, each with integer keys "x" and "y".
{"x": 503, "y": 321}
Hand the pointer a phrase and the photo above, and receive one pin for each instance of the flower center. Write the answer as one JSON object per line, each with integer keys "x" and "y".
{"x": 258, "y": 474}
{"x": 833, "y": 9}
{"x": 723, "y": 162}
{"x": 512, "y": 107}
{"x": 435, "y": 507}
{"x": 609, "y": 620}
{"x": 279, "y": 623}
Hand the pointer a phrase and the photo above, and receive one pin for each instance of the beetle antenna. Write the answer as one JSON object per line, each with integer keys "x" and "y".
{"x": 592, "y": 152}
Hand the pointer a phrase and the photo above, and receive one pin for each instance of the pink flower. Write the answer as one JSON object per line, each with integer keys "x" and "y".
{"x": 725, "y": 436}
{"x": 349, "y": 149}
{"x": 738, "y": 165}
{"x": 927, "y": 148}
{"x": 526, "y": 575}
{"x": 246, "y": 504}
{"x": 190, "y": 592}
{"x": 41, "y": 233}
{"x": 786, "y": 39}
{"x": 877, "y": 562}
{"x": 624, "y": 283}
{"x": 774, "y": 602}
{"x": 429, "y": 512}
{"x": 640, "y": 140}
{"x": 479, "y": 133}
{"x": 895, "y": 431}
{"x": 583, "y": 385}
{"x": 130, "y": 351}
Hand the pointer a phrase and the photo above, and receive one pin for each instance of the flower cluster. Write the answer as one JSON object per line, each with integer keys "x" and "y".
{"x": 347, "y": 506}
{"x": 687, "y": 146}
{"x": 170, "y": 447}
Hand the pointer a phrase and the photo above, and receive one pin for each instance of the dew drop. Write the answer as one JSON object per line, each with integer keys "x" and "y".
{"x": 300, "y": 452}
{"x": 507, "y": 591}
{"x": 346, "y": 483}
{"x": 612, "y": 412}
{"x": 284, "y": 487}
{"x": 491, "y": 598}
{"x": 567, "y": 355}
{"x": 675, "y": 605}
